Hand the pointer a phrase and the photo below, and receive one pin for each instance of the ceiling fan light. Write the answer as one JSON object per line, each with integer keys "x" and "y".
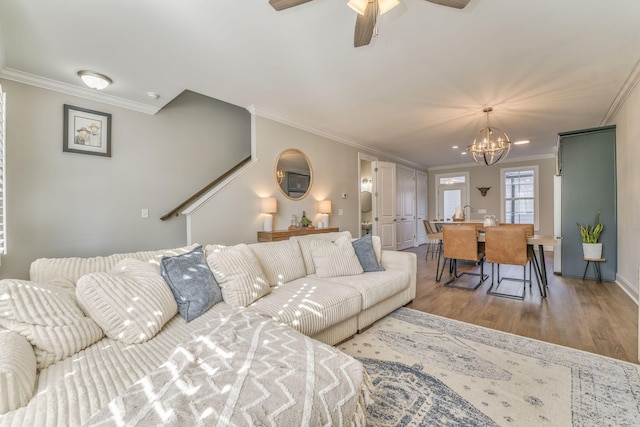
{"x": 94, "y": 80}
{"x": 358, "y": 5}
{"x": 385, "y": 6}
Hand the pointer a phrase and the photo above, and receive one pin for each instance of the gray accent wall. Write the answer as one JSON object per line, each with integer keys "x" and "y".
{"x": 65, "y": 204}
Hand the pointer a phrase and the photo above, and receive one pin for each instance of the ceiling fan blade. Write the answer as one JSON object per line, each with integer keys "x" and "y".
{"x": 286, "y": 4}
{"x": 365, "y": 24}
{"x": 458, "y": 4}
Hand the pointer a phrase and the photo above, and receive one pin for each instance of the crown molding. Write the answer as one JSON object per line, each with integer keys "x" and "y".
{"x": 508, "y": 160}
{"x": 91, "y": 94}
{"x": 623, "y": 94}
{"x": 260, "y": 112}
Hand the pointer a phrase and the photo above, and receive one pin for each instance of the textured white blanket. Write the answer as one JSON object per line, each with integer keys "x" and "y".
{"x": 245, "y": 369}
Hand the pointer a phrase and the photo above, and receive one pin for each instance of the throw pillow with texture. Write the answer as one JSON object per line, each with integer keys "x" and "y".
{"x": 281, "y": 262}
{"x": 48, "y": 317}
{"x": 333, "y": 259}
{"x": 17, "y": 371}
{"x": 239, "y": 274}
{"x": 131, "y": 303}
{"x": 192, "y": 283}
{"x": 366, "y": 255}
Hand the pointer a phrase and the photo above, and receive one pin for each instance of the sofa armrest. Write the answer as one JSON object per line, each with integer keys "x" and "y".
{"x": 406, "y": 261}
{"x": 17, "y": 371}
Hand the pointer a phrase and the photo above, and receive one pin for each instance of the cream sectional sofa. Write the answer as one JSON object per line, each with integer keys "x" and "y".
{"x": 112, "y": 382}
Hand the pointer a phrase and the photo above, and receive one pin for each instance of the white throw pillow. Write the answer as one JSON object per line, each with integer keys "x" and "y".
{"x": 48, "y": 317}
{"x": 281, "y": 262}
{"x": 239, "y": 275}
{"x": 305, "y": 245}
{"x": 17, "y": 371}
{"x": 131, "y": 303}
{"x": 335, "y": 259}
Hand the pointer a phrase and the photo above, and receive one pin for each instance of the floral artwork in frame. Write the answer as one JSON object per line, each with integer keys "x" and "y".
{"x": 86, "y": 131}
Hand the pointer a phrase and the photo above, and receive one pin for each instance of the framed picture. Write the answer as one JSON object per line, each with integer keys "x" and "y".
{"x": 86, "y": 131}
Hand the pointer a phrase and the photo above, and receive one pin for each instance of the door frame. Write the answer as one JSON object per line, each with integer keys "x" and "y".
{"x": 437, "y": 185}
{"x": 367, "y": 158}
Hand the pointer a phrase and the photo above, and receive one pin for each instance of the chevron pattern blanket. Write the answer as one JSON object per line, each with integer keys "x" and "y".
{"x": 245, "y": 369}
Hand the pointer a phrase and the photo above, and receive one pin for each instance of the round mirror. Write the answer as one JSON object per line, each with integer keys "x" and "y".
{"x": 293, "y": 174}
{"x": 365, "y": 201}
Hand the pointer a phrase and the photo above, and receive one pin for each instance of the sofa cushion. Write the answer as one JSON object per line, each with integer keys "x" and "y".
{"x": 46, "y": 270}
{"x": 333, "y": 259}
{"x": 17, "y": 371}
{"x": 48, "y": 317}
{"x": 239, "y": 275}
{"x": 310, "y": 305}
{"x": 366, "y": 255}
{"x": 305, "y": 246}
{"x": 281, "y": 262}
{"x": 131, "y": 303}
{"x": 375, "y": 286}
{"x": 192, "y": 283}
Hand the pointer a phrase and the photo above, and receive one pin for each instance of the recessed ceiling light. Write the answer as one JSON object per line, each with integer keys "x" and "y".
{"x": 522, "y": 142}
{"x": 464, "y": 153}
{"x": 94, "y": 80}
{"x": 455, "y": 147}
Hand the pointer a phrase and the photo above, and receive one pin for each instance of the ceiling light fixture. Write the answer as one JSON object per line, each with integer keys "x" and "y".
{"x": 521, "y": 142}
{"x": 94, "y": 80}
{"x": 490, "y": 145}
{"x": 384, "y": 6}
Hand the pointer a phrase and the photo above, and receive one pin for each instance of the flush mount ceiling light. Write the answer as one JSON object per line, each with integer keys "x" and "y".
{"x": 490, "y": 145}
{"x": 94, "y": 80}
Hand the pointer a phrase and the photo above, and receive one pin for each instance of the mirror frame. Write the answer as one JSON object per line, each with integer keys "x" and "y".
{"x": 275, "y": 174}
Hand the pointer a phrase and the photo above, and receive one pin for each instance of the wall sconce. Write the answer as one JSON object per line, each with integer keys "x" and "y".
{"x": 325, "y": 209}
{"x": 268, "y": 206}
{"x": 280, "y": 175}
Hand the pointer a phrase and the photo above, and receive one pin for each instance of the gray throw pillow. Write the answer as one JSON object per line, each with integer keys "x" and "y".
{"x": 366, "y": 254}
{"x": 192, "y": 283}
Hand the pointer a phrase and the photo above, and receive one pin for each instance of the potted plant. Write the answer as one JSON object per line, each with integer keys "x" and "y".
{"x": 590, "y": 234}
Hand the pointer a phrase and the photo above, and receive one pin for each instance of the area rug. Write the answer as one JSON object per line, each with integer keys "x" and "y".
{"x": 431, "y": 371}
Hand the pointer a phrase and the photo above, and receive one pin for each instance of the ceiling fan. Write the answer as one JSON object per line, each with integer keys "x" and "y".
{"x": 368, "y": 11}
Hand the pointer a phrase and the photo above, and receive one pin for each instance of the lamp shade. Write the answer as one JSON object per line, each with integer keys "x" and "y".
{"x": 269, "y": 205}
{"x": 324, "y": 206}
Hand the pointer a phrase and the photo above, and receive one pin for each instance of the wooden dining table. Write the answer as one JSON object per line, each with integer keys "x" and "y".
{"x": 539, "y": 240}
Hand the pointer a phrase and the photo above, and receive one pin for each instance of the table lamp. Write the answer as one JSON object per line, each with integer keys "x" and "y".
{"x": 268, "y": 206}
{"x": 325, "y": 209}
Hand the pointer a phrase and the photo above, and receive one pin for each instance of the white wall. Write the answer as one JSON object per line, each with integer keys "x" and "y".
{"x": 66, "y": 204}
{"x": 489, "y": 176}
{"x": 628, "y": 177}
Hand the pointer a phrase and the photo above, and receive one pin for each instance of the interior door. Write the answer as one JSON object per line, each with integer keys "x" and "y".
{"x": 405, "y": 208}
{"x": 384, "y": 191}
{"x": 421, "y": 207}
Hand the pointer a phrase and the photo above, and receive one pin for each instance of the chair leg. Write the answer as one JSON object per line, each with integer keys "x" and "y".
{"x": 454, "y": 266}
{"x": 490, "y": 291}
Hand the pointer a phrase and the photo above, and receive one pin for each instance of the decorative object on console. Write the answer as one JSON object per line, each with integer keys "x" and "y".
{"x": 304, "y": 221}
{"x": 490, "y": 145}
{"x": 325, "y": 209}
{"x": 86, "y": 131}
{"x": 483, "y": 190}
{"x": 268, "y": 206}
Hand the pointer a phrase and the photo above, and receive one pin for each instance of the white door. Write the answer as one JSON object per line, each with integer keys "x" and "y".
{"x": 421, "y": 207}
{"x": 384, "y": 191}
{"x": 405, "y": 208}
{"x": 450, "y": 197}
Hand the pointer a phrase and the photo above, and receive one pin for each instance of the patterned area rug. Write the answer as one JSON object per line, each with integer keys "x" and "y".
{"x": 429, "y": 370}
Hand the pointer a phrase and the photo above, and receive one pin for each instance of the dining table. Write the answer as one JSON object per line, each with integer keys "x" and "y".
{"x": 539, "y": 240}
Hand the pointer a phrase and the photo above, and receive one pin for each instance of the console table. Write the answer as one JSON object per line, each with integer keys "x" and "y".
{"x": 276, "y": 235}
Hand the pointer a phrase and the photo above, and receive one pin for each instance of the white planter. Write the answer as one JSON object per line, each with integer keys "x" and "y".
{"x": 592, "y": 250}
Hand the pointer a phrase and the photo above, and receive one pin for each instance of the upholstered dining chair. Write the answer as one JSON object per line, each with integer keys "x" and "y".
{"x": 460, "y": 243}
{"x": 529, "y": 228}
{"x": 507, "y": 245}
{"x": 434, "y": 240}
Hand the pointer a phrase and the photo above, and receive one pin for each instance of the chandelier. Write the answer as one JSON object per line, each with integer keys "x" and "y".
{"x": 490, "y": 145}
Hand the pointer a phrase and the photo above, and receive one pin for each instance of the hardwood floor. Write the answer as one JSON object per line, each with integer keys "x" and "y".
{"x": 590, "y": 316}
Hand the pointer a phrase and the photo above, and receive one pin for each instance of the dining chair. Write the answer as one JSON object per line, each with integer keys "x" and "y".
{"x": 507, "y": 245}
{"x": 460, "y": 243}
{"x": 529, "y": 228}
{"x": 434, "y": 240}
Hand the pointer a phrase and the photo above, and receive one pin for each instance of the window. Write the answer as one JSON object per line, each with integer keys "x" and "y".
{"x": 3, "y": 117}
{"x": 452, "y": 190}
{"x": 519, "y": 194}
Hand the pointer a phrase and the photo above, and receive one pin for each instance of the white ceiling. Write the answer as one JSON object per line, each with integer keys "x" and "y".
{"x": 545, "y": 66}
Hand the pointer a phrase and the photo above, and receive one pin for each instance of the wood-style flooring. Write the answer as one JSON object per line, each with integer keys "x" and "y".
{"x": 595, "y": 317}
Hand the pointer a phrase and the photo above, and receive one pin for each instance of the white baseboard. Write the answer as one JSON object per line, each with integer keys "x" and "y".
{"x": 628, "y": 288}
